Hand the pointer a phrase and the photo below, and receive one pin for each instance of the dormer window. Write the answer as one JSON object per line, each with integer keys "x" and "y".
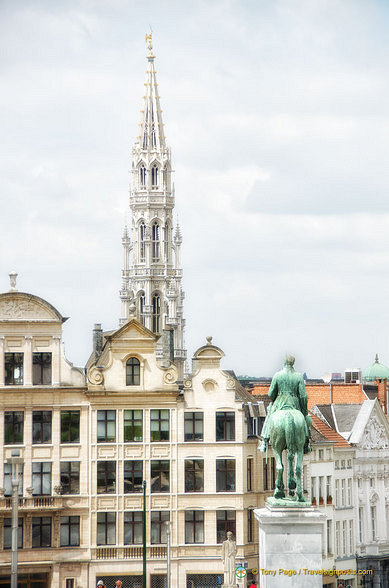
{"x": 132, "y": 372}
{"x": 154, "y": 176}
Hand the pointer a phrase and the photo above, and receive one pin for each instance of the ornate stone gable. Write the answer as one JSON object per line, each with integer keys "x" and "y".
{"x": 375, "y": 435}
{"x": 26, "y": 307}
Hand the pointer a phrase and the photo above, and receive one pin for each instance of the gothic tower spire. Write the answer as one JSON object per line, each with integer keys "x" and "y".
{"x": 152, "y": 270}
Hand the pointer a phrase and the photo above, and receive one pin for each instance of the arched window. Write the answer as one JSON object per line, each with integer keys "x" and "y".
{"x": 132, "y": 372}
{"x": 142, "y": 300}
{"x": 142, "y": 235}
{"x": 156, "y": 313}
{"x": 155, "y": 242}
{"x": 166, "y": 241}
{"x": 142, "y": 177}
{"x": 154, "y": 176}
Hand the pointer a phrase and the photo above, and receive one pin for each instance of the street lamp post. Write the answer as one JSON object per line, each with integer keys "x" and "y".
{"x": 144, "y": 535}
{"x": 168, "y": 583}
{"x": 15, "y": 461}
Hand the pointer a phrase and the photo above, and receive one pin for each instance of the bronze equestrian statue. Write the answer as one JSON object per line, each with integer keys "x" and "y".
{"x": 287, "y": 427}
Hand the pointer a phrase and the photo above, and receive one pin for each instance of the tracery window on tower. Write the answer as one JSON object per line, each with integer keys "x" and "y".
{"x": 142, "y": 302}
{"x": 156, "y": 305}
{"x": 142, "y": 177}
{"x": 154, "y": 176}
{"x": 142, "y": 235}
{"x": 153, "y": 137}
{"x": 166, "y": 241}
{"x": 155, "y": 243}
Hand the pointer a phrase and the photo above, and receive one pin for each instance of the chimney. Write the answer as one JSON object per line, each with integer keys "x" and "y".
{"x": 97, "y": 339}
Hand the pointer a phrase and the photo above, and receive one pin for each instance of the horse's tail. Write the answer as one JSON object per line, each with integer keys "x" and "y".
{"x": 291, "y": 436}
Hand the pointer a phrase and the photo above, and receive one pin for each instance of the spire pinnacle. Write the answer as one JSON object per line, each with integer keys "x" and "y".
{"x": 149, "y": 42}
{"x": 151, "y": 136}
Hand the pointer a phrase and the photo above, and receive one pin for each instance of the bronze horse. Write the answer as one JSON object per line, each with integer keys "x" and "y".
{"x": 287, "y": 429}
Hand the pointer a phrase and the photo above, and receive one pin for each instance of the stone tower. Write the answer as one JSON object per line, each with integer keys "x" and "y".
{"x": 152, "y": 271}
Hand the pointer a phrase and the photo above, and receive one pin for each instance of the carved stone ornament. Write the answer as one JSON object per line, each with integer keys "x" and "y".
{"x": 188, "y": 383}
{"x": 95, "y": 376}
{"x": 21, "y": 308}
{"x": 374, "y": 436}
{"x": 373, "y": 496}
{"x": 170, "y": 376}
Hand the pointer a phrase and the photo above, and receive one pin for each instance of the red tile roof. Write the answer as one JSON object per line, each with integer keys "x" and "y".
{"x": 328, "y": 433}
{"x": 321, "y": 393}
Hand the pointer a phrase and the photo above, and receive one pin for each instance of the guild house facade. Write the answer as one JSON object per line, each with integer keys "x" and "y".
{"x": 89, "y": 439}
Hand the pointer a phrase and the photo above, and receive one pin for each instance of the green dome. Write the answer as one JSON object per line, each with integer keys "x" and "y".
{"x": 377, "y": 371}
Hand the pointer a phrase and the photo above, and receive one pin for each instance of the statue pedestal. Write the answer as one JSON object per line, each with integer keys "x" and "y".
{"x": 290, "y": 546}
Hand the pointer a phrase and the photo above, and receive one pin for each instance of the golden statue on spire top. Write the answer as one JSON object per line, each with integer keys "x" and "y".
{"x": 149, "y": 41}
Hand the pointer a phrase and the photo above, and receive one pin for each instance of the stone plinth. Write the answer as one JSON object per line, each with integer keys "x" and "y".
{"x": 290, "y": 546}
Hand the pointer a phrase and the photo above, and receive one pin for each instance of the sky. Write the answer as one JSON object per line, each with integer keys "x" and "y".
{"x": 277, "y": 115}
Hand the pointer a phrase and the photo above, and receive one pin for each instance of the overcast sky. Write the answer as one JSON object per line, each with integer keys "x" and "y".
{"x": 277, "y": 114}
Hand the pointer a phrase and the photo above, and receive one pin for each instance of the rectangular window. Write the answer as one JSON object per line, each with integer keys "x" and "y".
{"x": 41, "y": 426}
{"x": 273, "y": 473}
{"x": 133, "y": 528}
{"x": 70, "y": 583}
{"x": 41, "y": 479}
{"x": 313, "y": 488}
{"x": 250, "y": 525}
{"x": 133, "y": 476}
{"x": 329, "y": 489}
{"x": 329, "y": 537}
{"x": 225, "y": 475}
{"x": 265, "y": 474}
{"x": 337, "y": 493}
{"x": 133, "y": 425}
{"x": 249, "y": 474}
{"x": 344, "y": 538}
{"x": 106, "y": 528}
{"x": 13, "y": 427}
{"x": 343, "y": 489}
{"x": 321, "y": 489}
{"x": 373, "y": 522}
{"x": 70, "y": 426}
{"x": 106, "y": 477}
{"x": 194, "y": 526}
{"x": 13, "y": 369}
{"x": 360, "y": 512}
{"x": 225, "y": 521}
{"x": 70, "y": 477}
{"x": 159, "y": 425}
{"x": 41, "y": 369}
{"x": 158, "y": 527}
{"x": 8, "y": 477}
{"x": 106, "y": 426}
{"x": 194, "y": 426}
{"x": 41, "y": 532}
{"x": 160, "y": 475}
{"x": 321, "y": 454}
{"x": 305, "y": 478}
{"x": 351, "y": 537}
{"x": 349, "y": 492}
{"x": 194, "y": 475}
{"x": 70, "y": 531}
{"x": 7, "y": 537}
{"x": 225, "y": 426}
{"x": 337, "y": 537}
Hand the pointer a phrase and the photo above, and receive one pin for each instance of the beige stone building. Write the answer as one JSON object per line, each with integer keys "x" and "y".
{"x": 88, "y": 443}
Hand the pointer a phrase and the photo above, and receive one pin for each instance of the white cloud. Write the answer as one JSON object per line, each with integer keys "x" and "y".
{"x": 277, "y": 117}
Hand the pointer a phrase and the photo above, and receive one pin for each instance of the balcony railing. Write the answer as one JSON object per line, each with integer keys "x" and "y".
{"x": 155, "y": 552}
{"x": 34, "y": 503}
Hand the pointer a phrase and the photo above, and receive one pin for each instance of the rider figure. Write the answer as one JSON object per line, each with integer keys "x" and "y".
{"x": 287, "y": 390}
